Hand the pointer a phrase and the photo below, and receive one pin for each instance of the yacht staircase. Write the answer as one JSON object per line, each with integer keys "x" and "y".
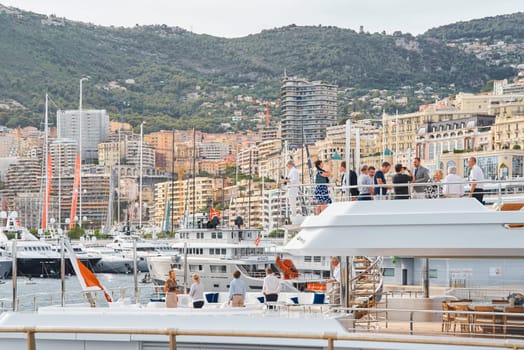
{"x": 365, "y": 286}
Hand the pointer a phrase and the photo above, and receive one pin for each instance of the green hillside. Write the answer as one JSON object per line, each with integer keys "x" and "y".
{"x": 494, "y": 28}
{"x": 176, "y": 78}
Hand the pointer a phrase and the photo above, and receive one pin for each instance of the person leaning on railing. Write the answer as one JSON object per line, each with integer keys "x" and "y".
{"x": 402, "y": 192}
{"x": 475, "y": 175}
{"x": 453, "y": 184}
{"x": 365, "y": 185}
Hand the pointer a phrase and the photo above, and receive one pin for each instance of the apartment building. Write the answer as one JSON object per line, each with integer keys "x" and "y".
{"x": 247, "y": 161}
{"x": 23, "y": 176}
{"x": 308, "y": 108}
{"x": 213, "y": 150}
{"x": 94, "y": 125}
{"x": 63, "y": 154}
{"x": 183, "y": 196}
{"x": 271, "y": 162}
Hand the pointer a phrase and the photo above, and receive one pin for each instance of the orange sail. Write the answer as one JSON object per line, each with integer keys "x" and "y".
{"x": 87, "y": 279}
{"x": 47, "y": 195}
{"x": 74, "y": 200}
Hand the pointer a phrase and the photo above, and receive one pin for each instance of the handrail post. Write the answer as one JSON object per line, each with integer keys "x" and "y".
{"x": 172, "y": 340}
{"x": 411, "y": 322}
{"x": 330, "y": 337}
{"x": 387, "y": 315}
{"x": 31, "y": 343}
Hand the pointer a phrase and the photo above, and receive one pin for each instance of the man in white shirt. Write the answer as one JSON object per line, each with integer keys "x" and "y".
{"x": 271, "y": 286}
{"x": 292, "y": 182}
{"x": 365, "y": 185}
{"x": 335, "y": 264}
{"x": 453, "y": 184}
{"x": 334, "y": 292}
{"x": 475, "y": 175}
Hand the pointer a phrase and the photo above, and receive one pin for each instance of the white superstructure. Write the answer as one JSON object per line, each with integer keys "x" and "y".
{"x": 215, "y": 254}
{"x": 460, "y": 227}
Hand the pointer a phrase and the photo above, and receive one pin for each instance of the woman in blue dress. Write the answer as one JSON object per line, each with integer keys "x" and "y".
{"x": 321, "y": 191}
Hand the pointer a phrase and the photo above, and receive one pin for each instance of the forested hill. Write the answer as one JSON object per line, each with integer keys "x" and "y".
{"x": 504, "y": 27}
{"x": 169, "y": 74}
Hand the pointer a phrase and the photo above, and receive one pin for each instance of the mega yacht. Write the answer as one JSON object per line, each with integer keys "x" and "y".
{"x": 215, "y": 254}
{"x": 111, "y": 261}
{"x": 6, "y": 264}
{"x": 125, "y": 245}
{"x": 88, "y": 258}
{"x": 34, "y": 257}
{"x": 430, "y": 228}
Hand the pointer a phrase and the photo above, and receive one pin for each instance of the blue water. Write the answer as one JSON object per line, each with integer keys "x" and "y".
{"x": 47, "y": 291}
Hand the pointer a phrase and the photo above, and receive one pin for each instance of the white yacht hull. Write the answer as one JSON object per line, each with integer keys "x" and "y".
{"x": 459, "y": 227}
{"x": 216, "y": 280}
{"x": 114, "y": 264}
{"x": 6, "y": 265}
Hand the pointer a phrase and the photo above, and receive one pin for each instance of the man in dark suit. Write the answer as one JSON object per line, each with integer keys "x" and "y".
{"x": 420, "y": 176}
{"x": 353, "y": 181}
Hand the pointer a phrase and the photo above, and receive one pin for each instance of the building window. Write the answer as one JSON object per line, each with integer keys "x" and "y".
{"x": 517, "y": 166}
{"x": 431, "y": 151}
{"x": 388, "y": 272}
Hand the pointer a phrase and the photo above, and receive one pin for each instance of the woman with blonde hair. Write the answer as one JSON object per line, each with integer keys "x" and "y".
{"x": 197, "y": 292}
{"x": 434, "y": 190}
{"x": 170, "y": 288}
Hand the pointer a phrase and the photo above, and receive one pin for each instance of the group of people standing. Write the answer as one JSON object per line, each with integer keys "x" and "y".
{"x": 237, "y": 289}
{"x": 196, "y": 292}
{"x": 372, "y": 184}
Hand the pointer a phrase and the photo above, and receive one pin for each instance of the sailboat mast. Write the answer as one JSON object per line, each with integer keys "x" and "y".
{"x": 45, "y": 216}
{"x": 194, "y": 175}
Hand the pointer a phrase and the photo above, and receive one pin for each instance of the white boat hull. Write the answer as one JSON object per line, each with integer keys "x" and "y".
{"x": 417, "y": 228}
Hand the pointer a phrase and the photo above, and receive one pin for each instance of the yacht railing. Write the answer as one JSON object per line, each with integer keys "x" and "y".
{"x": 484, "y": 293}
{"x": 380, "y": 318}
{"x": 412, "y": 329}
{"x": 32, "y": 302}
{"x": 329, "y": 338}
{"x": 495, "y": 192}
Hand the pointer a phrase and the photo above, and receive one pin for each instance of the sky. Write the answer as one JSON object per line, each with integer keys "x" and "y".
{"x": 236, "y": 18}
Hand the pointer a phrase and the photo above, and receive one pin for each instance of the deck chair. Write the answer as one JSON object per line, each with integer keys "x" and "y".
{"x": 462, "y": 319}
{"x": 447, "y": 317}
{"x": 484, "y": 316}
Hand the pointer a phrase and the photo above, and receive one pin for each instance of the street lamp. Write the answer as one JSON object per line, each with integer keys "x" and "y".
{"x": 80, "y": 145}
